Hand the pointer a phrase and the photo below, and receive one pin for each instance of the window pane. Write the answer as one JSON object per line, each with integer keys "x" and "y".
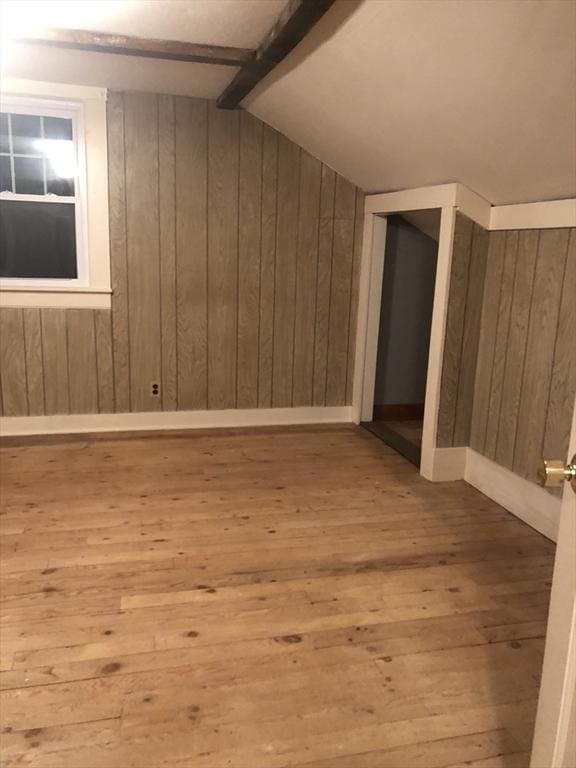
{"x": 5, "y": 175}
{"x": 26, "y": 132}
{"x": 57, "y": 128}
{"x": 29, "y": 175}
{"x": 56, "y": 184}
{"x": 37, "y": 240}
{"x": 4, "y": 138}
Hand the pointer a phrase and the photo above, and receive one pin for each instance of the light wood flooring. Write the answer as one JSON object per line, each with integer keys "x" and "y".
{"x": 261, "y": 599}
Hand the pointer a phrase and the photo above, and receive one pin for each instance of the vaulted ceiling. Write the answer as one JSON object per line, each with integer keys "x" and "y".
{"x": 393, "y": 94}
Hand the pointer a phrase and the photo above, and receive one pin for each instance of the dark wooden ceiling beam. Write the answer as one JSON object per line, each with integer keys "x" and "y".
{"x": 126, "y": 45}
{"x": 296, "y": 21}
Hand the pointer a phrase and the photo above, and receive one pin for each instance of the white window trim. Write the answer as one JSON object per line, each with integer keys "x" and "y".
{"x": 91, "y": 289}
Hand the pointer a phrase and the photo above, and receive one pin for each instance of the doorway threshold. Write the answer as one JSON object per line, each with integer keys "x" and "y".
{"x": 399, "y": 443}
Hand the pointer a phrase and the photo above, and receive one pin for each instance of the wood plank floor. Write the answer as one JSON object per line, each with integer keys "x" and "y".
{"x": 281, "y": 597}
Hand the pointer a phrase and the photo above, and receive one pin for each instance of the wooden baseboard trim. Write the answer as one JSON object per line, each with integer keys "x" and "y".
{"x": 532, "y": 504}
{"x": 447, "y": 464}
{"x": 168, "y": 420}
{"x": 398, "y": 411}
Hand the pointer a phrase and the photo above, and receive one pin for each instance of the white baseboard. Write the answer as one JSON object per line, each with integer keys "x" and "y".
{"x": 524, "y": 499}
{"x": 120, "y": 422}
{"x": 447, "y": 464}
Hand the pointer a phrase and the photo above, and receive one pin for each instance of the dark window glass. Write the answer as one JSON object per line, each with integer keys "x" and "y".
{"x": 37, "y": 240}
{"x": 29, "y": 175}
{"x": 26, "y": 133}
{"x": 5, "y": 175}
{"x": 4, "y": 138}
{"x": 57, "y": 128}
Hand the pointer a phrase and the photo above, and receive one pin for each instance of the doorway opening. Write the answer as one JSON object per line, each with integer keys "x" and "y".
{"x": 407, "y": 300}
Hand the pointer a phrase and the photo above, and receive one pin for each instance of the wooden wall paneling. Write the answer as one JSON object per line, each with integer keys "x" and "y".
{"x": 104, "y": 360}
{"x": 82, "y": 373}
{"x": 325, "y": 241}
{"x": 285, "y": 276}
{"x": 167, "y": 228}
{"x": 501, "y": 342}
{"x": 306, "y": 277}
{"x": 143, "y": 257}
{"x": 544, "y": 312}
{"x": 267, "y": 265}
{"x": 487, "y": 341}
{"x": 223, "y": 176}
{"x": 563, "y": 378}
{"x": 462, "y": 248}
{"x": 34, "y": 363}
{"x": 55, "y": 356}
{"x": 340, "y": 291}
{"x": 249, "y": 249}
{"x": 13, "y": 363}
{"x": 520, "y": 301}
{"x": 191, "y": 117}
{"x": 356, "y": 256}
{"x": 118, "y": 266}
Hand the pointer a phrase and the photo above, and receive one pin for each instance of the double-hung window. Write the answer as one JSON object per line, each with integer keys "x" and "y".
{"x": 54, "y": 238}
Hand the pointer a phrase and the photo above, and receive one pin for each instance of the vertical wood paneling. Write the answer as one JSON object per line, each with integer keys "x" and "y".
{"x": 82, "y": 374}
{"x": 55, "y": 357}
{"x": 550, "y": 265}
{"x": 462, "y": 248}
{"x": 249, "y": 237}
{"x": 223, "y": 169}
{"x": 267, "y": 265}
{"x": 354, "y": 288}
{"x": 13, "y": 363}
{"x": 104, "y": 360}
{"x": 285, "y": 277}
{"x": 338, "y": 326}
{"x": 306, "y": 276}
{"x": 167, "y": 225}
{"x": 34, "y": 366}
{"x": 520, "y": 300}
{"x": 118, "y": 265}
{"x": 325, "y": 243}
{"x": 191, "y": 252}
{"x": 563, "y": 379}
{"x": 485, "y": 354}
{"x": 143, "y": 257}
{"x": 500, "y": 344}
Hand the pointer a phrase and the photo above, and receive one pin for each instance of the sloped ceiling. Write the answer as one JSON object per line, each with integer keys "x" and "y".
{"x": 393, "y": 94}
{"x": 408, "y": 93}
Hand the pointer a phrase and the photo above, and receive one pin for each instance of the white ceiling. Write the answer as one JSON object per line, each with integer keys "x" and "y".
{"x": 393, "y": 94}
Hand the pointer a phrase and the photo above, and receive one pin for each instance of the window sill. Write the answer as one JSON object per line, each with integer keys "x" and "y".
{"x": 71, "y": 298}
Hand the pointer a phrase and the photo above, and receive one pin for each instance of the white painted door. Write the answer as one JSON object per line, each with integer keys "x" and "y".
{"x": 555, "y": 733}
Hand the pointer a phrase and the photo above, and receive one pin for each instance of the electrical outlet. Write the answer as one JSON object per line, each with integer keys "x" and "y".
{"x": 155, "y": 389}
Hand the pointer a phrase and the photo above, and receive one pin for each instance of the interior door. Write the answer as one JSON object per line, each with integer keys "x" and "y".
{"x": 555, "y": 733}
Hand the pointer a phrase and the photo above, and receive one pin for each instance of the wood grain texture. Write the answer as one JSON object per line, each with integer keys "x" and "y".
{"x": 451, "y": 362}
{"x": 82, "y": 370}
{"x": 34, "y": 365}
{"x": 306, "y": 279}
{"x": 143, "y": 253}
{"x": 302, "y": 600}
{"x": 167, "y": 235}
{"x": 542, "y": 329}
{"x": 249, "y": 252}
{"x": 285, "y": 273}
{"x": 192, "y": 252}
{"x": 227, "y": 281}
{"x": 223, "y": 174}
{"x": 13, "y": 362}
{"x": 55, "y": 360}
{"x": 520, "y": 301}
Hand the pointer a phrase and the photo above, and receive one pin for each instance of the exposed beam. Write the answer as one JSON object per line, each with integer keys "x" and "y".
{"x": 296, "y": 20}
{"x": 174, "y": 50}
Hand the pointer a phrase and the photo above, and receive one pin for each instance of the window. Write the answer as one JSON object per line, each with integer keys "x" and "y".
{"x": 53, "y": 224}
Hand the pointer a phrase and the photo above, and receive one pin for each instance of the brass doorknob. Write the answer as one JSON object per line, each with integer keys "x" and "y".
{"x": 552, "y": 472}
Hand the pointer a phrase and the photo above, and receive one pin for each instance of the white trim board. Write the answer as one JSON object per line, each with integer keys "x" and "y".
{"x": 121, "y": 422}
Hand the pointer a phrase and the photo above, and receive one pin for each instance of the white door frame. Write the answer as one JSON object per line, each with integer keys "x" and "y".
{"x": 448, "y": 198}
